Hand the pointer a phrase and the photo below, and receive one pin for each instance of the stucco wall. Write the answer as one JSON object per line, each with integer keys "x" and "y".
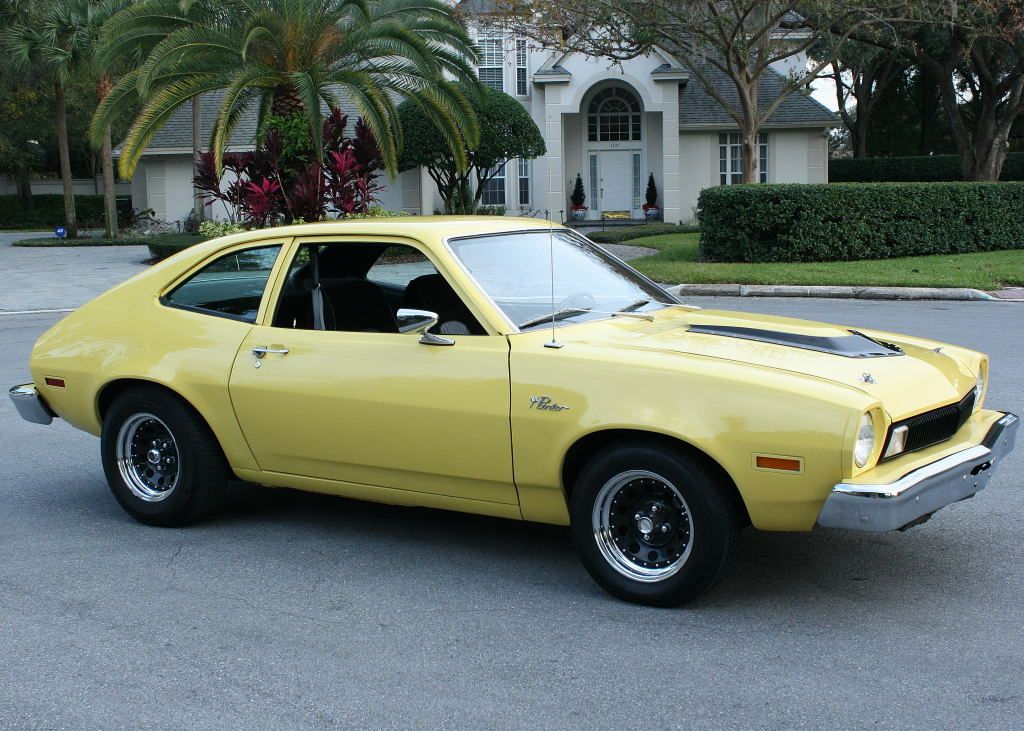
{"x": 54, "y": 186}
{"x": 794, "y": 156}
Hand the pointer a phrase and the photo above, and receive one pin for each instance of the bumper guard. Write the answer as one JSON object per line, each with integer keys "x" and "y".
{"x": 918, "y": 494}
{"x": 30, "y": 405}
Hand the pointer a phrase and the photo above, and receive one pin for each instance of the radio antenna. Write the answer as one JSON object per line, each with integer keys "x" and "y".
{"x": 551, "y": 255}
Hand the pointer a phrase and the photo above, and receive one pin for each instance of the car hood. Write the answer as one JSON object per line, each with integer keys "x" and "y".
{"x": 908, "y": 375}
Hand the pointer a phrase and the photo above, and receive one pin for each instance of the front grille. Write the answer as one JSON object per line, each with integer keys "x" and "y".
{"x": 934, "y": 426}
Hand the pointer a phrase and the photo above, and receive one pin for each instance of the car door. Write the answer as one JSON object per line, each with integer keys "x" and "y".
{"x": 378, "y": 408}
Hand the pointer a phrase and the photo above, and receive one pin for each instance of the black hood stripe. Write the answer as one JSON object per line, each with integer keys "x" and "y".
{"x": 854, "y": 345}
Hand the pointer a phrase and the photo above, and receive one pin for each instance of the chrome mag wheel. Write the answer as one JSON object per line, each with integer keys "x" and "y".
{"x": 147, "y": 457}
{"x": 642, "y": 526}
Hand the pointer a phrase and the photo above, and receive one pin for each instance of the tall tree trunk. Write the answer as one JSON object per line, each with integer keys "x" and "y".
{"x": 197, "y": 153}
{"x": 103, "y": 87}
{"x": 860, "y": 137}
{"x": 109, "y": 189}
{"x": 751, "y": 160}
{"x": 70, "y": 221}
{"x": 24, "y": 180}
{"x": 749, "y": 127}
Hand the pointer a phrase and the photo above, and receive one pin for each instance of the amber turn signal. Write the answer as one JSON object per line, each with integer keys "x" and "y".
{"x": 778, "y": 463}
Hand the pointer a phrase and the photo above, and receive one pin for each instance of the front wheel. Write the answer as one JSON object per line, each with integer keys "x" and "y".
{"x": 161, "y": 460}
{"x": 652, "y": 525}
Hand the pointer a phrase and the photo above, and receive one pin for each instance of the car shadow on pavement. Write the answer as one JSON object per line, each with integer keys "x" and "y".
{"x": 777, "y": 568}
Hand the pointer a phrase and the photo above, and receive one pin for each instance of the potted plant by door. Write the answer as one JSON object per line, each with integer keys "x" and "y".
{"x": 651, "y": 209}
{"x": 577, "y": 210}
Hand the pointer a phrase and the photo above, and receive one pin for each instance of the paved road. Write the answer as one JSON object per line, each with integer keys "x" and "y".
{"x": 49, "y": 279}
{"x": 296, "y": 610}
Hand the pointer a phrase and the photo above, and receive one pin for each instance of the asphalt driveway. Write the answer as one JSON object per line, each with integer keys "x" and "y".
{"x": 60, "y": 278}
{"x": 295, "y": 611}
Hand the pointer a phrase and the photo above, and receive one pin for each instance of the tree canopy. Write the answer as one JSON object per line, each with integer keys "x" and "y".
{"x": 507, "y": 131}
{"x": 292, "y": 56}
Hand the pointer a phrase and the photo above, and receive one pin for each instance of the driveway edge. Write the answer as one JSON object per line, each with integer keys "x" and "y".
{"x": 865, "y": 293}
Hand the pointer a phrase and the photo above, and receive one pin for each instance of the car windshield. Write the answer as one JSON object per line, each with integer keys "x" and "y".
{"x": 515, "y": 270}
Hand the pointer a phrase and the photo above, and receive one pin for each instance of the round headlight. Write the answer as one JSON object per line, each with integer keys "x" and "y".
{"x": 865, "y": 441}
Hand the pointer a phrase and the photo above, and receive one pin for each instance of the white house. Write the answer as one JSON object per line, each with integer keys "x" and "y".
{"x": 611, "y": 123}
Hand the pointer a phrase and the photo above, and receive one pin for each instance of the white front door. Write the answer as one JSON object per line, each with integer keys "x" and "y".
{"x": 616, "y": 181}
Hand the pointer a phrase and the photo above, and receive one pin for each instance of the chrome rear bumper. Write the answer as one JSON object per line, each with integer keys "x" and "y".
{"x": 920, "y": 493}
{"x": 29, "y": 404}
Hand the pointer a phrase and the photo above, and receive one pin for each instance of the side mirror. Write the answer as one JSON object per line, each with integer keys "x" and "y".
{"x": 419, "y": 322}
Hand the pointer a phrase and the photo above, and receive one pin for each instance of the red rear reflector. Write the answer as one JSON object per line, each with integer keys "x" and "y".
{"x": 778, "y": 463}
{"x": 55, "y": 382}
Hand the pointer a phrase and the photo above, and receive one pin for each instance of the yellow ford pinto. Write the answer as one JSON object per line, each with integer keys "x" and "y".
{"x": 514, "y": 369}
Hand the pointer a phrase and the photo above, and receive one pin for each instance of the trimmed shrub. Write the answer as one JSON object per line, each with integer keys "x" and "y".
{"x": 923, "y": 168}
{"x": 761, "y": 223}
{"x": 48, "y": 211}
{"x": 628, "y": 233}
{"x": 163, "y": 246}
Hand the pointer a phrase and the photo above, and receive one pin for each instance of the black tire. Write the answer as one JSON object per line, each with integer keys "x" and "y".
{"x": 681, "y": 496}
{"x": 200, "y": 472}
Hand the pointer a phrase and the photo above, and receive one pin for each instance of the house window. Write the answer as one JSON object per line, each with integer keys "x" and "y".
{"x": 614, "y": 116}
{"x": 730, "y": 158}
{"x": 494, "y": 188}
{"x": 521, "y": 86}
{"x": 524, "y": 183}
{"x": 491, "y": 69}
{"x": 593, "y": 182}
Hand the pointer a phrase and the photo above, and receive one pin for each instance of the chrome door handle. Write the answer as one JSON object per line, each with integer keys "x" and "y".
{"x": 259, "y": 351}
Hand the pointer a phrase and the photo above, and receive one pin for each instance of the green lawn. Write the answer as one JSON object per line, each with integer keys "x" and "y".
{"x": 676, "y": 262}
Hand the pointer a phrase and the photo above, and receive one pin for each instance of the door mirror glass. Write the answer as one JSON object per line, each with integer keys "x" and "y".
{"x": 415, "y": 321}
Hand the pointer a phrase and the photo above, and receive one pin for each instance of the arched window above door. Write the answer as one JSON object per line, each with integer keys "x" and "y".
{"x": 613, "y": 116}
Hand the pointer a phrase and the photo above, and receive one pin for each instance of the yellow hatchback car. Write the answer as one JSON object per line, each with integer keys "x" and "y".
{"x": 509, "y": 368}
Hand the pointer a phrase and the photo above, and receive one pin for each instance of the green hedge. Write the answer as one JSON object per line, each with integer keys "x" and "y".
{"x": 628, "y": 233}
{"x": 924, "y": 169}
{"x": 761, "y": 223}
{"x": 48, "y": 211}
{"x": 162, "y": 246}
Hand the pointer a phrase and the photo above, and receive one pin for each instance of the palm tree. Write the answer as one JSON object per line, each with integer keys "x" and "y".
{"x": 61, "y": 36}
{"x": 285, "y": 57}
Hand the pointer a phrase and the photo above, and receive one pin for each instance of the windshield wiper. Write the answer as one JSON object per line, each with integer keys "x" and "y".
{"x": 560, "y": 315}
{"x": 627, "y": 311}
{"x": 633, "y": 306}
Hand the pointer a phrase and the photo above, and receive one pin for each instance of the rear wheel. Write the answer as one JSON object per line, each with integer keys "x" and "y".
{"x": 161, "y": 460}
{"x": 653, "y": 525}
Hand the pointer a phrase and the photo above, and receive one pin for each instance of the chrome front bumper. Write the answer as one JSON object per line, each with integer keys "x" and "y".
{"x": 29, "y": 404}
{"x": 918, "y": 494}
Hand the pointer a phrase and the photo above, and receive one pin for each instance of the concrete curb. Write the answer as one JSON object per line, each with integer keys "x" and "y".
{"x": 864, "y": 293}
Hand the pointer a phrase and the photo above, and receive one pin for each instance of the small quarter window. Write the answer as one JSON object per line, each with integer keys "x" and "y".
{"x": 230, "y": 286}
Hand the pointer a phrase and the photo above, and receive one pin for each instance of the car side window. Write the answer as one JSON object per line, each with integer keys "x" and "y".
{"x": 230, "y": 286}
{"x": 359, "y": 287}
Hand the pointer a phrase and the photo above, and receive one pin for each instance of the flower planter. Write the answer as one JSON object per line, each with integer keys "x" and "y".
{"x": 653, "y": 213}
{"x": 578, "y": 214}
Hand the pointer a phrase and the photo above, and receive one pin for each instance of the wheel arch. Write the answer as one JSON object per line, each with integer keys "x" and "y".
{"x": 587, "y": 446}
{"x": 112, "y": 389}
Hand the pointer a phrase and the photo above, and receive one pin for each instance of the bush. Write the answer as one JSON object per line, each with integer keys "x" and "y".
{"x": 48, "y": 211}
{"x": 628, "y": 233}
{"x": 761, "y": 223}
{"x": 924, "y": 168}
{"x": 162, "y": 246}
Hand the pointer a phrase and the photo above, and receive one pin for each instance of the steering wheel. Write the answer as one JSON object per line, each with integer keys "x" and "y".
{"x": 583, "y": 300}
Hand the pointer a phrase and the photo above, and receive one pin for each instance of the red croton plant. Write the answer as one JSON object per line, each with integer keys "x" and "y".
{"x": 273, "y": 184}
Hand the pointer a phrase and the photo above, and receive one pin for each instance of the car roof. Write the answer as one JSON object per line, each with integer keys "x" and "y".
{"x": 430, "y": 227}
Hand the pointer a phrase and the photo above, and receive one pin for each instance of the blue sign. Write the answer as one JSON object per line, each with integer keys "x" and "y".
{"x": 60, "y": 232}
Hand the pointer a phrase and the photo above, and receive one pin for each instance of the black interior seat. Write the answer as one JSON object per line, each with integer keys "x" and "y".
{"x": 358, "y": 306}
{"x": 432, "y": 293}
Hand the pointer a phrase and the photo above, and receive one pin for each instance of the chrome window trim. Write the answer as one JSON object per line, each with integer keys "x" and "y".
{"x": 607, "y": 255}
